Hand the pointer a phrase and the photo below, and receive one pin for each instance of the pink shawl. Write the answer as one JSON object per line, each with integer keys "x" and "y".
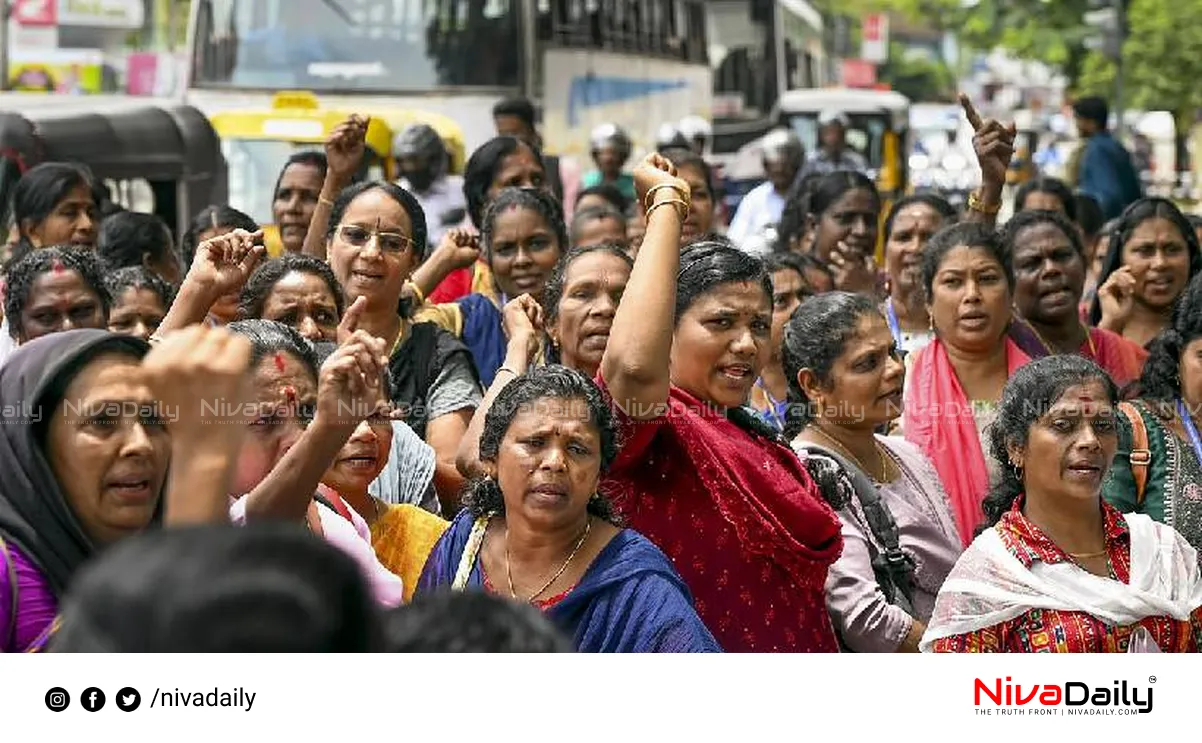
{"x": 939, "y": 421}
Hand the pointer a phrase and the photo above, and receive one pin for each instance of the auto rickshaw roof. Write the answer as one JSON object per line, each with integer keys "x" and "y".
{"x": 152, "y": 142}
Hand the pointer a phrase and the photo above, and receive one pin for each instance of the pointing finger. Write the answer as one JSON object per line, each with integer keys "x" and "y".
{"x": 970, "y": 111}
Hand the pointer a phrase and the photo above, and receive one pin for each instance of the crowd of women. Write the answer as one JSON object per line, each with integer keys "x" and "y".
{"x": 620, "y": 434}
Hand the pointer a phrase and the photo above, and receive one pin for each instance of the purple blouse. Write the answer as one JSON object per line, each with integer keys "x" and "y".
{"x": 927, "y": 532}
{"x": 36, "y": 604}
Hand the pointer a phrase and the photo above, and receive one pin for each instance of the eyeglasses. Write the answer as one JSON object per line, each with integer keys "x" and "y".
{"x": 388, "y": 242}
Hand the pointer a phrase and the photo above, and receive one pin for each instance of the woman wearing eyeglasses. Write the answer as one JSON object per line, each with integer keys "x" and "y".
{"x": 376, "y": 237}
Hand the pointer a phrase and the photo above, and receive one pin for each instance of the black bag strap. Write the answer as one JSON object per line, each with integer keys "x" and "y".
{"x": 893, "y": 563}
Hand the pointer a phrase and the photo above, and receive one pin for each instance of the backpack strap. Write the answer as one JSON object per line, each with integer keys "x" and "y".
{"x": 10, "y": 566}
{"x": 1141, "y": 455}
{"x": 893, "y": 562}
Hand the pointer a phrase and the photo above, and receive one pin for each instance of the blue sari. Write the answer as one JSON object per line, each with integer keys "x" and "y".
{"x": 484, "y": 335}
{"x": 630, "y": 600}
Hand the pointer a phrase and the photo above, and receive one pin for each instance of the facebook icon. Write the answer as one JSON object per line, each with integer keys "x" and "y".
{"x": 92, "y": 699}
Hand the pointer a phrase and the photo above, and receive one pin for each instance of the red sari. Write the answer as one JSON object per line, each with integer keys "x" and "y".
{"x": 739, "y": 517}
{"x": 1058, "y": 631}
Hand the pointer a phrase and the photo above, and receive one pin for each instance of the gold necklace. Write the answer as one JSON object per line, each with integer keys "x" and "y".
{"x": 509, "y": 574}
{"x": 876, "y": 447}
{"x": 1087, "y": 555}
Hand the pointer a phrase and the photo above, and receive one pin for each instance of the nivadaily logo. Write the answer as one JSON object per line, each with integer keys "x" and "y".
{"x": 1071, "y": 697}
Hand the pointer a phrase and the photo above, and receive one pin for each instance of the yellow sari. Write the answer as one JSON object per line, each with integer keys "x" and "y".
{"x": 403, "y": 537}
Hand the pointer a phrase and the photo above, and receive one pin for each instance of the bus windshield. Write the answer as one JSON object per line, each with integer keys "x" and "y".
{"x": 356, "y": 45}
{"x": 254, "y": 167}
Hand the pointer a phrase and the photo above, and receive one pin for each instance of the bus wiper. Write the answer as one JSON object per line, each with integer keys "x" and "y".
{"x": 335, "y": 6}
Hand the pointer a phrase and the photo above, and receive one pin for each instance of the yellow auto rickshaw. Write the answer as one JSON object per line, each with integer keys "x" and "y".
{"x": 257, "y": 143}
{"x": 879, "y": 131}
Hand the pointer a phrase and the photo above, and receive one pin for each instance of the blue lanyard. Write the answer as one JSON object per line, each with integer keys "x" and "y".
{"x": 1188, "y": 421}
{"x": 773, "y": 406}
{"x": 894, "y": 326}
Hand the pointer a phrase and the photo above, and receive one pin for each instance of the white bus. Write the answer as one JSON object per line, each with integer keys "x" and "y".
{"x": 637, "y": 63}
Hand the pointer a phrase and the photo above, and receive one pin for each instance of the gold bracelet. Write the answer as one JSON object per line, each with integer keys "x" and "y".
{"x": 977, "y": 205}
{"x": 659, "y": 187}
{"x": 682, "y": 213}
{"x": 417, "y": 292}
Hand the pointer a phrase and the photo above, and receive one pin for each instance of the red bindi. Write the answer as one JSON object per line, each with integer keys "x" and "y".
{"x": 279, "y": 361}
{"x": 57, "y": 266}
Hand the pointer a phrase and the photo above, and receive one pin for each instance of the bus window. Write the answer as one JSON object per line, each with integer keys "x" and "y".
{"x": 356, "y": 45}
{"x": 135, "y": 194}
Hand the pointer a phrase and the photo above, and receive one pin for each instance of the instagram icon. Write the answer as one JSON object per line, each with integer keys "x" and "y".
{"x": 57, "y": 699}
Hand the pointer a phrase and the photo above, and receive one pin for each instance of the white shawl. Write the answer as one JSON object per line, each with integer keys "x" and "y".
{"x": 989, "y": 585}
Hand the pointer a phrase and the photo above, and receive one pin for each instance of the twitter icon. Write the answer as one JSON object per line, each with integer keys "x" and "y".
{"x": 128, "y": 699}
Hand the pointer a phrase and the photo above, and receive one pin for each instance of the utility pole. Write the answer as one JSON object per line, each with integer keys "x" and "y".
{"x": 5, "y": 14}
{"x": 1120, "y": 36}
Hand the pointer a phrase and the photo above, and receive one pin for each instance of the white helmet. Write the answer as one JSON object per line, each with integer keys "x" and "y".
{"x": 695, "y": 127}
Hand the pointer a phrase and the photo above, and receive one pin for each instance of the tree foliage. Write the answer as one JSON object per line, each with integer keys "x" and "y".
{"x": 1162, "y": 59}
{"x": 920, "y": 79}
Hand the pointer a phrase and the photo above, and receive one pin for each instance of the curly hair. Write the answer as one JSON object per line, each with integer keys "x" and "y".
{"x": 265, "y": 277}
{"x": 1135, "y": 215}
{"x": 22, "y": 275}
{"x": 542, "y": 383}
{"x": 536, "y": 200}
{"x": 964, "y": 235}
{"x": 1029, "y": 394}
{"x": 815, "y": 337}
{"x": 482, "y": 169}
{"x": 1161, "y": 379}
{"x": 139, "y": 278}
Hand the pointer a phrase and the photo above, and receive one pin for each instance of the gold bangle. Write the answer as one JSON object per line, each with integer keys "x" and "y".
{"x": 417, "y": 292}
{"x": 659, "y": 187}
{"x": 682, "y": 213}
{"x": 977, "y": 205}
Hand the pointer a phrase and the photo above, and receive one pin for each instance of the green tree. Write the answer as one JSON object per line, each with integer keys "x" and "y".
{"x": 1051, "y": 31}
{"x": 1162, "y": 62}
{"x": 920, "y": 79}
